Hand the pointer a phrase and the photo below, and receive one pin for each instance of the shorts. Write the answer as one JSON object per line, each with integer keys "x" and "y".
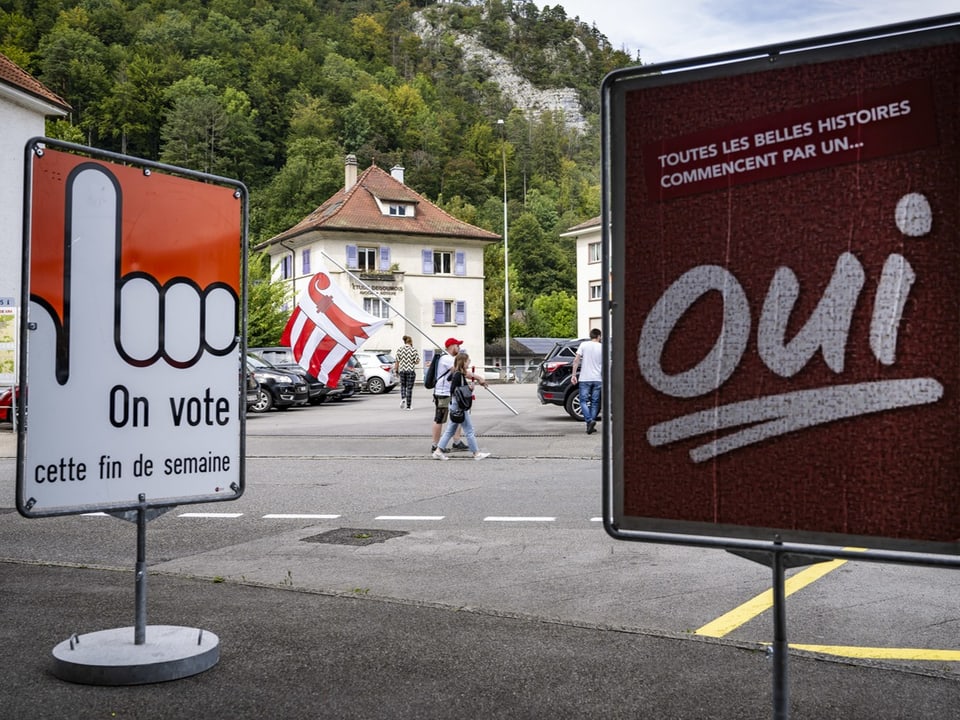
{"x": 442, "y": 403}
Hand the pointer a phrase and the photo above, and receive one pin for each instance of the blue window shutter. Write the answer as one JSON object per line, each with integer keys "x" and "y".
{"x": 461, "y": 312}
{"x": 305, "y": 261}
{"x": 438, "y": 312}
{"x": 352, "y": 262}
{"x": 384, "y": 258}
{"x": 427, "y": 256}
{"x": 460, "y": 263}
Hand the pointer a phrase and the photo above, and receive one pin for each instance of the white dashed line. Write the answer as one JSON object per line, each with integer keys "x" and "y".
{"x": 514, "y": 518}
{"x": 332, "y": 516}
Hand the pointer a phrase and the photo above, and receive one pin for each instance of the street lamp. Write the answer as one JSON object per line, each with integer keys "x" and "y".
{"x": 506, "y": 251}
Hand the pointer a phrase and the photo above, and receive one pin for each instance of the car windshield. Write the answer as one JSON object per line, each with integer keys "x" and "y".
{"x": 257, "y": 361}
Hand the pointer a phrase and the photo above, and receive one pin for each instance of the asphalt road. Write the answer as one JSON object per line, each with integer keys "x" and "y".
{"x": 357, "y": 577}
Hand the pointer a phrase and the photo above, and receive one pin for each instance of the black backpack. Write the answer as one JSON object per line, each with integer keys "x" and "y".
{"x": 430, "y": 376}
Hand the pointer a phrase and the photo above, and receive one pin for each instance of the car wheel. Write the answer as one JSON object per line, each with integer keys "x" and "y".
{"x": 264, "y": 402}
{"x": 572, "y": 405}
{"x": 376, "y": 385}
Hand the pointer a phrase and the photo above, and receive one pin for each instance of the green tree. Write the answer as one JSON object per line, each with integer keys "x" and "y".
{"x": 211, "y": 131}
{"x": 75, "y": 65}
{"x": 553, "y": 315}
{"x": 544, "y": 266}
{"x": 313, "y": 172}
{"x": 266, "y": 315}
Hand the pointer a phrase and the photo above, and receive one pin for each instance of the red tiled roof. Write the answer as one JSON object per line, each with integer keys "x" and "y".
{"x": 356, "y": 210}
{"x": 15, "y": 76}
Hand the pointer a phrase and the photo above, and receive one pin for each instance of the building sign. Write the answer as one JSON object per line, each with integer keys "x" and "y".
{"x": 131, "y": 339}
{"x": 785, "y": 255}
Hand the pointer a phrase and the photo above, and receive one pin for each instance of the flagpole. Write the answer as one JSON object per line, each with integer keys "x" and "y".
{"x": 411, "y": 322}
{"x": 381, "y": 297}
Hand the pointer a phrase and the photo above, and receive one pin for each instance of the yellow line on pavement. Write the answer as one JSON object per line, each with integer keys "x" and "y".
{"x": 730, "y": 621}
{"x": 727, "y": 623}
{"x": 875, "y": 653}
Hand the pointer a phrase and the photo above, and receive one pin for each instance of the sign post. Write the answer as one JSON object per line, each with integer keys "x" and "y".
{"x": 782, "y": 240}
{"x": 131, "y": 372}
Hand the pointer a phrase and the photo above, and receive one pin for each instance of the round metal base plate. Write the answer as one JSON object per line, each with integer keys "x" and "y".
{"x": 111, "y": 657}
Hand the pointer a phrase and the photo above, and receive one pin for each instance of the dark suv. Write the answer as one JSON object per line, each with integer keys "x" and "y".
{"x": 282, "y": 357}
{"x": 554, "y": 386}
{"x": 278, "y": 388}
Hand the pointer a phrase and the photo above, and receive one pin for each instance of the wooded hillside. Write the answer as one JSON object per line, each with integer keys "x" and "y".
{"x": 276, "y": 94}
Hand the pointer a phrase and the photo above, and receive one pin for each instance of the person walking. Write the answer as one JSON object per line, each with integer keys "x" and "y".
{"x": 589, "y": 361}
{"x": 441, "y": 393}
{"x": 407, "y": 359}
{"x": 460, "y": 378}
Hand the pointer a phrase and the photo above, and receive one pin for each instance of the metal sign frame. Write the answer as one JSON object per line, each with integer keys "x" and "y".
{"x": 623, "y": 211}
{"x": 133, "y": 334}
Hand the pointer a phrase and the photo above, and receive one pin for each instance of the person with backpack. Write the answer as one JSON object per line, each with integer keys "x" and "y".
{"x": 460, "y": 403}
{"x": 439, "y": 373}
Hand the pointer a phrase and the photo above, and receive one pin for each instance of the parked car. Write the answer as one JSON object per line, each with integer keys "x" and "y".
{"x": 352, "y": 379}
{"x": 282, "y": 357}
{"x": 496, "y": 373}
{"x": 253, "y": 388}
{"x": 554, "y": 386}
{"x": 7, "y": 405}
{"x": 378, "y": 367}
{"x": 278, "y": 388}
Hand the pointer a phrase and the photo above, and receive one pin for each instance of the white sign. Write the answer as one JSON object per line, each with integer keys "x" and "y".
{"x": 134, "y": 367}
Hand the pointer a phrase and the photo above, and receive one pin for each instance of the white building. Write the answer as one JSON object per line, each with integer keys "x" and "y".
{"x": 422, "y": 261}
{"x": 24, "y": 106}
{"x": 589, "y": 238}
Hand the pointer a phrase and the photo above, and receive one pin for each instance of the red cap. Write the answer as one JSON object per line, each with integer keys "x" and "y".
{"x": 452, "y": 341}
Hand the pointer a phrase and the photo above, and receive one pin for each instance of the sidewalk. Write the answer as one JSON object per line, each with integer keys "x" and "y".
{"x": 295, "y": 655}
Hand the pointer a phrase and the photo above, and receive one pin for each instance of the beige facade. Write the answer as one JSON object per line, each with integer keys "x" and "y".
{"x": 385, "y": 244}
{"x": 589, "y": 239}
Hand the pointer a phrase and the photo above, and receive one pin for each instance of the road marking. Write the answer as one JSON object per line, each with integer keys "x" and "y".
{"x": 298, "y": 516}
{"x": 506, "y": 518}
{"x": 727, "y": 623}
{"x": 876, "y": 653}
{"x": 210, "y": 515}
{"x": 409, "y": 517}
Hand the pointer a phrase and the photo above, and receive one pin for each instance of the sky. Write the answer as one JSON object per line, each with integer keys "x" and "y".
{"x": 665, "y": 30}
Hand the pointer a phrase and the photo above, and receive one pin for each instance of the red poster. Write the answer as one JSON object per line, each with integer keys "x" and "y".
{"x": 786, "y": 265}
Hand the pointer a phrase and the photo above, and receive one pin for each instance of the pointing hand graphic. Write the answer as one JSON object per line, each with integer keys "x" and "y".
{"x": 125, "y": 367}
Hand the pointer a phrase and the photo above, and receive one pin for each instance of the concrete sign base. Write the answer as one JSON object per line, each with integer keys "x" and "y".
{"x": 111, "y": 657}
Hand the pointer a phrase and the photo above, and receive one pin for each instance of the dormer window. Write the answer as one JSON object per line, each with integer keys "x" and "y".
{"x": 400, "y": 210}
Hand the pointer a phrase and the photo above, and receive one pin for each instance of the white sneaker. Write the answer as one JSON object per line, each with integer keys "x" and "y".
{"x": 478, "y": 456}
{"x": 438, "y": 455}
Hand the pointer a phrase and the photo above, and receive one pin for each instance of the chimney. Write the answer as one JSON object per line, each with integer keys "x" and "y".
{"x": 350, "y": 172}
{"x": 396, "y": 172}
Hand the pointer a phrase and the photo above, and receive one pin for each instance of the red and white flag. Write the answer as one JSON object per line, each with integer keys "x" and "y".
{"x": 326, "y": 328}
